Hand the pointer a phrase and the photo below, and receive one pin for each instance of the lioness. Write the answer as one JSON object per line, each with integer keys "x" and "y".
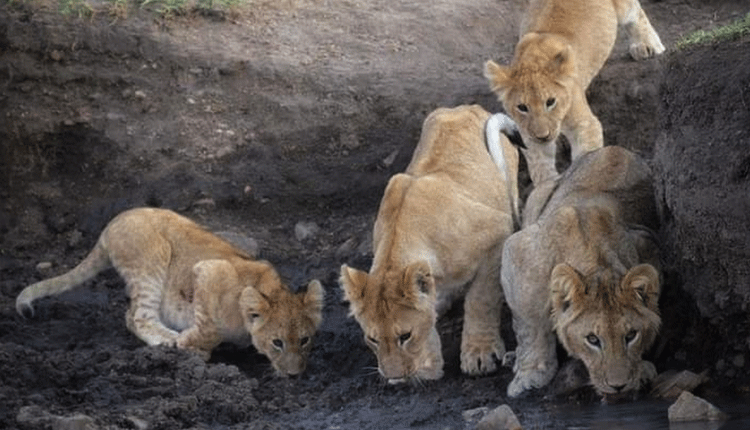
{"x": 584, "y": 267}
{"x": 190, "y": 288}
{"x": 563, "y": 45}
{"x": 438, "y": 235}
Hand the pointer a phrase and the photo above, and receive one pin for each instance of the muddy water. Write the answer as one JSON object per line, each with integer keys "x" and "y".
{"x": 639, "y": 415}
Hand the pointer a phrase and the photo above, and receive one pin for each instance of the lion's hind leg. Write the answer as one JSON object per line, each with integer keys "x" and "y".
{"x": 644, "y": 40}
{"x": 144, "y": 270}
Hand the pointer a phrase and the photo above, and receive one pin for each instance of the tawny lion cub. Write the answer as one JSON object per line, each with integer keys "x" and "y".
{"x": 438, "y": 235}
{"x": 583, "y": 270}
{"x": 563, "y": 45}
{"x": 192, "y": 289}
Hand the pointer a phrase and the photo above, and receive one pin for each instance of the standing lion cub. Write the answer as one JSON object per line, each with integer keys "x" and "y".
{"x": 439, "y": 235}
{"x": 189, "y": 288}
{"x": 563, "y": 45}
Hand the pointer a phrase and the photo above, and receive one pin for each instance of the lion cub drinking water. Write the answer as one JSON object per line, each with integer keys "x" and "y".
{"x": 563, "y": 45}
{"x": 189, "y": 288}
{"x": 439, "y": 234}
{"x": 583, "y": 270}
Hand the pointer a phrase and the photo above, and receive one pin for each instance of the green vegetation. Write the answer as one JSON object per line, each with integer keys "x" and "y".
{"x": 728, "y": 32}
{"x": 119, "y": 9}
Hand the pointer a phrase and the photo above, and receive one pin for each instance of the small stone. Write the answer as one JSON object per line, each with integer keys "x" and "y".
{"x": 689, "y": 407}
{"x": 474, "y": 415}
{"x": 43, "y": 266}
{"x": 670, "y": 384}
{"x": 306, "y": 230}
{"x": 739, "y": 361}
{"x": 140, "y": 94}
{"x": 500, "y": 418}
{"x": 75, "y": 238}
{"x": 55, "y": 55}
{"x": 247, "y": 244}
{"x": 346, "y": 248}
{"x": 137, "y": 423}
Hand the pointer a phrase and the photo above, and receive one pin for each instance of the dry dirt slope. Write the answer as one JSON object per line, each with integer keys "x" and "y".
{"x": 251, "y": 124}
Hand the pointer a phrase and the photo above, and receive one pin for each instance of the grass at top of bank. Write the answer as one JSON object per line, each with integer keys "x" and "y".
{"x": 725, "y": 33}
{"x": 121, "y": 9}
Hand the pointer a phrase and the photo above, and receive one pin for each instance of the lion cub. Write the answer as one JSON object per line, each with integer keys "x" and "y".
{"x": 563, "y": 45}
{"x": 583, "y": 270}
{"x": 192, "y": 289}
{"x": 439, "y": 235}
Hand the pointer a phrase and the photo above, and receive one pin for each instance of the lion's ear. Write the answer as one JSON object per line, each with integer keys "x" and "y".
{"x": 498, "y": 75}
{"x": 253, "y": 305}
{"x": 313, "y": 301}
{"x": 353, "y": 284}
{"x": 562, "y": 63}
{"x": 643, "y": 280}
{"x": 565, "y": 283}
{"x": 418, "y": 287}
{"x": 213, "y": 273}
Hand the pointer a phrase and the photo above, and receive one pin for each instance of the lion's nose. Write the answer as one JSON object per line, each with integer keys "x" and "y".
{"x": 544, "y": 139}
{"x": 618, "y": 388}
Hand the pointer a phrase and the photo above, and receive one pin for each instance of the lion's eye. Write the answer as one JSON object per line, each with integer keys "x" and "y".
{"x": 304, "y": 341}
{"x": 593, "y": 340}
{"x": 522, "y": 108}
{"x": 372, "y": 340}
{"x": 551, "y": 102}
{"x": 630, "y": 336}
{"x": 404, "y": 338}
{"x": 278, "y": 344}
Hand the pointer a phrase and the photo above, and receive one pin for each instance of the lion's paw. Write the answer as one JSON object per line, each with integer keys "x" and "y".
{"x": 479, "y": 359}
{"x": 528, "y": 379}
{"x": 648, "y": 371}
{"x": 642, "y": 51}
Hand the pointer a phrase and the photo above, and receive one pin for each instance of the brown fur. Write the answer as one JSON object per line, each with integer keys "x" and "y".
{"x": 438, "y": 235}
{"x": 189, "y": 288}
{"x": 583, "y": 270}
{"x": 563, "y": 45}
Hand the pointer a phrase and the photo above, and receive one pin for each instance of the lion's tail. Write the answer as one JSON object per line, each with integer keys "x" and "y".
{"x": 496, "y": 124}
{"x": 96, "y": 261}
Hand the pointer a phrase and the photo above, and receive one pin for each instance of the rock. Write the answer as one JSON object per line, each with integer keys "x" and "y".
{"x": 500, "y": 418}
{"x": 247, "y": 244}
{"x": 306, "y": 230}
{"x": 692, "y": 408}
{"x": 43, "y": 266}
{"x": 345, "y": 249}
{"x": 670, "y": 384}
{"x": 474, "y": 415}
{"x": 36, "y": 417}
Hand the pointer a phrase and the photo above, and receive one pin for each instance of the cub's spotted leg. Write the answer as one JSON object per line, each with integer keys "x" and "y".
{"x": 644, "y": 40}
{"x": 481, "y": 343}
{"x": 144, "y": 269}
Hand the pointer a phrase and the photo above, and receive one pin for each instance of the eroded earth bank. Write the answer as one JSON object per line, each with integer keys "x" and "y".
{"x": 279, "y": 126}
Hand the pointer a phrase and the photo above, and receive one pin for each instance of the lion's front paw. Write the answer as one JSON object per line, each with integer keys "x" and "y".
{"x": 478, "y": 359}
{"x": 531, "y": 378}
{"x": 641, "y": 51}
{"x": 648, "y": 372}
